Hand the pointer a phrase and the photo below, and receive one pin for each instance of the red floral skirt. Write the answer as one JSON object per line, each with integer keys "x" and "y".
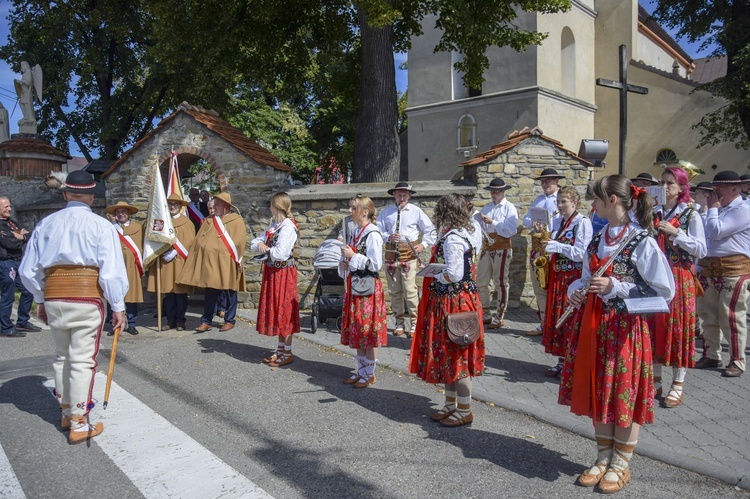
{"x": 434, "y": 357}
{"x": 674, "y": 334}
{"x": 623, "y": 385}
{"x": 555, "y": 340}
{"x": 278, "y": 310}
{"x": 365, "y": 321}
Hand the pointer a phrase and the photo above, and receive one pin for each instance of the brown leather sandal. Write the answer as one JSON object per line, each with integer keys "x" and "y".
{"x": 672, "y": 401}
{"x": 610, "y": 487}
{"x": 442, "y": 413}
{"x": 587, "y": 479}
{"x": 455, "y": 420}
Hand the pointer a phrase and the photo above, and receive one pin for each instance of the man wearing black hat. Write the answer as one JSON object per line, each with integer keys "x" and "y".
{"x": 73, "y": 260}
{"x": 644, "y": 180}
{"x": 725, "y": 275}
{"x": 402, "y": 224}
{"x": 499, "y": 223}
{"x": 12, "y": 240}
{"x": 548, "y": 200}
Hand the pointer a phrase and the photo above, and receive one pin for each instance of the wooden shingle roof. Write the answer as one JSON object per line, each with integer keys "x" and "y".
{"x": 211, "y": 120}
{"x": 514, "y": 139}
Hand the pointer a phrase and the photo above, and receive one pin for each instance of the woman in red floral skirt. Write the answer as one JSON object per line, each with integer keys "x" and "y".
{"x": 607, "y": 374}
{"x": 278, "y": 310}
{"x": 364, "y": 324}
{"x": 572, "y": 234}
{"x": 681, "y": 237}
{"x": 434, "y": 357}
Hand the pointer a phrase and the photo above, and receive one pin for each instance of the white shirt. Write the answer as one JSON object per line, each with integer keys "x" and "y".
{"x": 282, "y": 250}
{"x": 454, "y": 248}
{"x": 651, "y": 263}
{"x": 76, "y": 236}
{"x": 413, "y": 222}
{"x": 728, "y": 229}
{"x": 547, "y": 202}
{"x": 373, "y": 259}
{"x": 476, "y": 236}
{"x": 584, "y": 231}
{"x": 504, "y": 218}
{"x": 692, "y": 240}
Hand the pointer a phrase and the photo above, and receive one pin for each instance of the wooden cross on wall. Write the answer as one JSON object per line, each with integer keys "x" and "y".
{"x": 624, "y": 88}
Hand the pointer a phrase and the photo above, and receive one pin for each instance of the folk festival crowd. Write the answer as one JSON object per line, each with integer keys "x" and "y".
{"x": 688, "y": 256}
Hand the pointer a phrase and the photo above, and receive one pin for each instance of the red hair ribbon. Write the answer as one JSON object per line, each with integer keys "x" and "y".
{"x": 637, "y": 191}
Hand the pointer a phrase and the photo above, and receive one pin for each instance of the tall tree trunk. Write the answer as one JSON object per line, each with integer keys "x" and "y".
{"x": 376, "y": 146}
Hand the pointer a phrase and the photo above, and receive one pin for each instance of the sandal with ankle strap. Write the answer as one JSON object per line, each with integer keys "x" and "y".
{"x": 587, "y": 479}
{"x": 610, "y": 487}
{"x": 455, "y": 419}
{"x": 443, "y": 413}
{"x": 673, "y": 398}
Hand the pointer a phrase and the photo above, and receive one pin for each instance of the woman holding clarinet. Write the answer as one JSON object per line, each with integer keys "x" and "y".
{"x": 608, "y": 371}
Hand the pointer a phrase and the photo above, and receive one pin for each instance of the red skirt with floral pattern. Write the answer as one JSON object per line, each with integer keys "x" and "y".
{"x": 623, "y": 369}
{"x": 434, "y": 357}
{"x": 555, "y": 340}
{"x": 365, "y": 320}
{"x": 674, "y": 334}
{"x": 278, "y": 310}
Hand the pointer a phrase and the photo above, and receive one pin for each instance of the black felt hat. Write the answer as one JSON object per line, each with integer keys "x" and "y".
{"x": 647, "y": 177}
{"x": 745, "y": 178}
{"x": 498, "y": 184}
{"x": 726, "y": 178}
{"x": 702, "y": 186}
{"x": 80, "y": 182}
{"x": 402, "y": 186}
{"x": 549, "y": 173}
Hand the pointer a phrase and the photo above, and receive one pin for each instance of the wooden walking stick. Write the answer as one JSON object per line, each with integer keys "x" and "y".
{"x": 111, "y": 371}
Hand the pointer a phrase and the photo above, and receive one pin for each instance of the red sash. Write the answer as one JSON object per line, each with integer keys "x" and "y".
{"x": 180, "y": 249}
{"x": 130, "y": 244}
{"x": 228, "y": 243}
{"x": 195, "y": 214}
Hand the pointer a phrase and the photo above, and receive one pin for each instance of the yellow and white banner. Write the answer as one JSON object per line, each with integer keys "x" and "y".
{"x": 159, "y": 233}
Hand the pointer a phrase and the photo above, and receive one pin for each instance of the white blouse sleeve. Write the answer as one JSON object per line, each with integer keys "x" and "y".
{"x": 373, "y": 261}
{"x": 694, "y": 240}
{"x": 577, "y": 251}
{"x": 282, "y": 250}
{"x": 260, "y": 239}
{"x": 653, "y": 267}
{"x": 453, "y": 252}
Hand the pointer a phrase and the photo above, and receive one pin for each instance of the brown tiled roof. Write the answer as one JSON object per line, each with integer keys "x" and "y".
{"x": 211, "y": 120}
{"x": 650, "y": 23}
{"x": 708, "y": 69}
{"x": 514, "y": 139}
{"x": 31, "y": 145}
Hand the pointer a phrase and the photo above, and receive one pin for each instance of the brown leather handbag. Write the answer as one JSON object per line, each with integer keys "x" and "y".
{"x": 463, "y": 328}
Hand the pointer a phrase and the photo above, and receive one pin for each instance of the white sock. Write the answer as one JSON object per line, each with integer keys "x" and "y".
{"x": 621, "y": 457}
{"x": 464, "y": 405}
{"x": 604, "y": 445}
{"x": 370, "y": 368}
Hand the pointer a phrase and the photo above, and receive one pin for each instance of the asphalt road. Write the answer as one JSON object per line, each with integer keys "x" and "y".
{"x": 295, "y": 431}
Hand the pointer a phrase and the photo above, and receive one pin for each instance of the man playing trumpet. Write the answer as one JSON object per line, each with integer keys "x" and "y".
{"x": 499, "y": 223}
{"x": 548, "y": 200}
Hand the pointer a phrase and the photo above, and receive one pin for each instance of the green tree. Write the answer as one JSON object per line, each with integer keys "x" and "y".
{"x": 725, "y": 24}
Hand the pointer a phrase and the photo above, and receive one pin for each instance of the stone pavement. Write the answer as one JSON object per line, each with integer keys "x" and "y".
{"x": 707, "y": 434}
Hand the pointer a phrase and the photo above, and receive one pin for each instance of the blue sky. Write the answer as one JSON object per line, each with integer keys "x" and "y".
{"x": 8, "y": 94}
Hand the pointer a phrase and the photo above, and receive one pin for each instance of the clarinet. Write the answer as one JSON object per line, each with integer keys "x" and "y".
{"x": 392, "y": 248}
{"x": 600, "y": 272}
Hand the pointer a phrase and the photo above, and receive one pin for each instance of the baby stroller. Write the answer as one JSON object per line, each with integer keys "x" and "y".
{"x": 328, "y": 302}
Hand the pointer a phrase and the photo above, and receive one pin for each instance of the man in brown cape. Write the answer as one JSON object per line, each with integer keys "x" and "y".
{"x": 173, "y": 261}
{"x": 215, "y": 261}
{"x": 131, "y": 241}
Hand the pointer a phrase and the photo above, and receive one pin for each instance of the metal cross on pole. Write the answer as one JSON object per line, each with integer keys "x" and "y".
{"x": 624, "y": 88}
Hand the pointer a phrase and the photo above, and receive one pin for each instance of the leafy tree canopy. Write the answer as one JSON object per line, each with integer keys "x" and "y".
{"x": 725, "y": 24}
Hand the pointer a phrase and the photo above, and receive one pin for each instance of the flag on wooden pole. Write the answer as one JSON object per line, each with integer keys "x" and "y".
{"x": 159, "y": 231}
{"x": 174, "y": 186}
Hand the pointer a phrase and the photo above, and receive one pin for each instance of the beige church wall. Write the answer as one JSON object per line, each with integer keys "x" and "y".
{"x": 430, "y": 74}
{"x": 651, "y": 54}
{"x": 581, "y": 24}
{"x": 565, "y": 122}
{"x": 616, "y": 24}
{"x": 432, "y": 132}
{"x": 663, "y": 119}
{"x": 510, "y": 69}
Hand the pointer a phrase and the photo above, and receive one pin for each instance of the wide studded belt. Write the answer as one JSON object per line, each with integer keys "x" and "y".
{"x": 72, "y": 281}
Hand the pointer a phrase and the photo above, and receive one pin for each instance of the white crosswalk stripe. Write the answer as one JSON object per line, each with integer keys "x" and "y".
{"x": 160, "y": 459}
{"x": 9, "y": 486}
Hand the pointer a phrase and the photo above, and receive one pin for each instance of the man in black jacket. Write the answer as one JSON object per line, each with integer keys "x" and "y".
{"x": 12, "y": 239}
